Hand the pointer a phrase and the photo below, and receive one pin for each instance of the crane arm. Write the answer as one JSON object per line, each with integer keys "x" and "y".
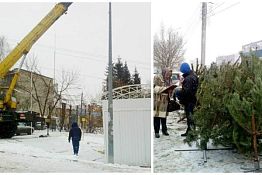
{"x": 25, "y": 45}
{"x": 8, "y": 95}
{"x": 9, "y": 92}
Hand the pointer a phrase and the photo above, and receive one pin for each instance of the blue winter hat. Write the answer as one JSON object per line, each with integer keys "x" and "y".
{"x": 185, "y": 68}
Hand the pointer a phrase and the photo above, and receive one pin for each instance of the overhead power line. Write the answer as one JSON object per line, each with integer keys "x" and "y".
{"x": 144, "y": 65}
{"x": 212, "y": 8}
{"x": 220, "y": 11}
{"x": 61, "y": 70}
{"x": 79, "y": 54}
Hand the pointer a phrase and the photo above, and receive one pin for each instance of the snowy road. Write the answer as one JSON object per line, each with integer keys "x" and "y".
{"x": 166, "y": 159}
{"x": 32, "y": 154}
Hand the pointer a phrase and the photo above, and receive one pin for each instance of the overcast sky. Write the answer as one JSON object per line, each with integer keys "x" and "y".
{"x": 233, "y": 24}
{"x": 81, "y": 38}
{"x": 82, "y": 35}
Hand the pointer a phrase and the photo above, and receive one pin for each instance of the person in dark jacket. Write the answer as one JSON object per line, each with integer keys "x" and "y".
{"x": 75, "y": 133}
{"x": 187, "y": 95}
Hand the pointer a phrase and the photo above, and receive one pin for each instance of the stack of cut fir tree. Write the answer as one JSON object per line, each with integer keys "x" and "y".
{"x": 229, "y": 109}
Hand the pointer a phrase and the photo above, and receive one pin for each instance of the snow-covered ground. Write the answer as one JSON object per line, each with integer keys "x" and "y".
{"x": 33, "y": 154}
{"x": 167, "y": 159}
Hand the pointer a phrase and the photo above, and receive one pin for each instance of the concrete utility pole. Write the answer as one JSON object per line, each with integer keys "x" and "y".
{"x": 110, "y": 99}
{"x": 63, "y": 114}
{"x": 70, "y": 115}
{"x": 76, "y": 118}
{"x": 85, "y": 109}
{"x": 203, "y": 36}
{"x": 89, "y": 118}
{"x": 81, "y": 104}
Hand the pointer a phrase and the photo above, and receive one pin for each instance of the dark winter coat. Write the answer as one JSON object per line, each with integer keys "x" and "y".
{"x": 75, "y": 133}
{"x": 189, "y": 88}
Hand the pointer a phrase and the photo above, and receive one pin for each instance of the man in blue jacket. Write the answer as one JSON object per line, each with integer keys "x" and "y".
{"x": 187, "y": 95}
{"x": 75, "y": 133}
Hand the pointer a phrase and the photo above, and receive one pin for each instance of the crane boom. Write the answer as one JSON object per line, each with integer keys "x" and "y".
{"x": 25, "y": 45}
{"x": 8, "y": 116}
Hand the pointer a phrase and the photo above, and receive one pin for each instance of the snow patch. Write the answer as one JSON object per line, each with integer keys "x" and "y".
{"x": 167, "y": 159}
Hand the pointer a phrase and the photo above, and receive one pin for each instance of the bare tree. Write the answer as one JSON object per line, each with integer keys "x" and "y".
{"x": 67, "y": 82}
{"x": 168, "y": 48}
{"x": 4, "y": 47}
{"x": 46, "y": 94}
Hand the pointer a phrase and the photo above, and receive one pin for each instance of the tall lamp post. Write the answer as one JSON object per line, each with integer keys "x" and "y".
{"x": 110, "y": 99}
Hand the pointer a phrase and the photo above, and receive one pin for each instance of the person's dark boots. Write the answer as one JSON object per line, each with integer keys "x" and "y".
{"x": 165, "y": 133}
{"x": 191, "y": 123}
{"x": 184, "y": 135}
{"x": 157, "y": 135}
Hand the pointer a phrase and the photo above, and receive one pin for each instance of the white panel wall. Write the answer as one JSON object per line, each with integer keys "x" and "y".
{"x": 132, "y": 131}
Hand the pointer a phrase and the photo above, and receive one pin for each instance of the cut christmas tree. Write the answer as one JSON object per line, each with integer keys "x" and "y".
{"x": 229, "y": 108}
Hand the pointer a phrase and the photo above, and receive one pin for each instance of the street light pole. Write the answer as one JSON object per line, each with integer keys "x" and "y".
{"x": 110, "y": 99}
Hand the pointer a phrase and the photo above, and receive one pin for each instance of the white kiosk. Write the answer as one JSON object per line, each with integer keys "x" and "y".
{"x": 131, "y": 125}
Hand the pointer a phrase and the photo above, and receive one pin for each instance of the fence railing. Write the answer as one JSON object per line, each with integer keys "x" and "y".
{"x": 130, "y": 91}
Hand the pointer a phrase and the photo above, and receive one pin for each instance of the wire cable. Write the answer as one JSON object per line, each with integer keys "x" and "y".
{"x": 232, "y": 5}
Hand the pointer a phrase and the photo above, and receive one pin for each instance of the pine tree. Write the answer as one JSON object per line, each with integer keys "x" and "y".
{"x": 212, "y": 117}
{"x": 247, "y": 101}
{"x": 105, "y": 83}
{"x": 136, "y": 78}
{"x": 118, "y": 78}
{"x": 126, "y": 75}
{"x": 120, "y": 75}
{"x": 114, "y": 77}
{"x": 228, "y": 96}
